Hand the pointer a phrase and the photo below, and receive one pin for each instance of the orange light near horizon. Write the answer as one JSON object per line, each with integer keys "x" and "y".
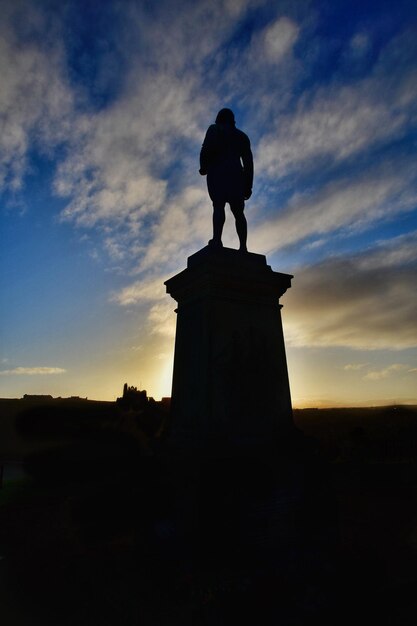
{"x": 162, "y": 383}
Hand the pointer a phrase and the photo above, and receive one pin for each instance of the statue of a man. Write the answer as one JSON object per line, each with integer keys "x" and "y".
{"x": 226, "y": 158}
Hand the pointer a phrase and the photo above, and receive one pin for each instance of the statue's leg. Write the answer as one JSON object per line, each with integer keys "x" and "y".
{"x": 219, "y": 218}
{"x": 240, "y": 221}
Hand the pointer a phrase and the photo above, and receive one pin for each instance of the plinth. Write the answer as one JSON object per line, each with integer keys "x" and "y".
{"x": 230, "y": 374}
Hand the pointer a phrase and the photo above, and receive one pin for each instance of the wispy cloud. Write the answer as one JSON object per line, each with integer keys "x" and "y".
{"x": 355, "y": 202}
{"x": 162, "y": 319}
{"x": 33, "y": 371}
{"x": 36, "y": 103}
{"x": 280, "y": 37}
{"x": 385, "y": 372}
{"x": 183, "y": 227}
{"x": 359, "y": 44}
{"x": 354, "y": 366}
{"x": 338, "y": 121}
{"x": 398, "y": 252}
{"x": 140, "y": 291}
{"x": 275, "y": 40}
{"x": 157, "y": 307}
{"x": 339, "y": 303}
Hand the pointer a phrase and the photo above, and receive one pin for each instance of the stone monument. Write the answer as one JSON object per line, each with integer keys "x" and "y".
{"x": 230, "y": 375}
{"x": 250, "y": 499}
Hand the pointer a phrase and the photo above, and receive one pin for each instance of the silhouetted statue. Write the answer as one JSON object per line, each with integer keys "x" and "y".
{"x": 226, "y": 158}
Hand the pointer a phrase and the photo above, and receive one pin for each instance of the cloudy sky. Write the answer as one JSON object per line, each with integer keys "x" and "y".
{"x": 103, "y": 109}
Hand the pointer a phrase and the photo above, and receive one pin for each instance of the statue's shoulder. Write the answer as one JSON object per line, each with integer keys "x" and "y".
{"x": 212, "y": 129}
{"x": 243, "y": 138}
{"x": 211, "y": 134}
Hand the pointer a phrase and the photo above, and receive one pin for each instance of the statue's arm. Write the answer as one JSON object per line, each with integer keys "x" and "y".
{"x": 207, "y": 150}
{"x": 247, "y": 160}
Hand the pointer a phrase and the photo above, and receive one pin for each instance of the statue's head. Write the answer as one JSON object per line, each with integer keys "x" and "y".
{"x": 225, "y": 116}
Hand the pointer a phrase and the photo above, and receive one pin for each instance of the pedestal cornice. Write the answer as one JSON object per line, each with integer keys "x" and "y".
{"x": 228, "y": 273}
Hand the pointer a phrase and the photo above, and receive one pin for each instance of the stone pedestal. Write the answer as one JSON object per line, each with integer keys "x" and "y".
{"x": 230, "y": 373}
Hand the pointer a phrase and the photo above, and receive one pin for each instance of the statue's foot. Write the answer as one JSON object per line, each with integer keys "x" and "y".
{"x": 243, "y": 249}
{"x": 215, "y": 243}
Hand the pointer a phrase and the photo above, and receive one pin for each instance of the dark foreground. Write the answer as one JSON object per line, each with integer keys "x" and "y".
{"x": 114, "y": 525}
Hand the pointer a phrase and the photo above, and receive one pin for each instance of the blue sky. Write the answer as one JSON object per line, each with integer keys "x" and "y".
{"x": 104, "y": 106}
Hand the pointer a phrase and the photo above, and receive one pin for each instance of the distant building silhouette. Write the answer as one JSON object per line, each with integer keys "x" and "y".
{"x": 28, "y": 396}
{"x": 133, "y": 398}
{"x": 31, "y": 397}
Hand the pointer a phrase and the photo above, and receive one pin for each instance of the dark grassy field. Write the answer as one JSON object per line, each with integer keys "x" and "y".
{"x": 14, "y": 443}
{"x": 100, "y": 528}
{"x": 377, "y": 434}
{"x": 383, "y": 434}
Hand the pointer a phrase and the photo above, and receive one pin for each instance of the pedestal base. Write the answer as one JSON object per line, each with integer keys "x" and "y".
{"x": 230, "y": 373}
